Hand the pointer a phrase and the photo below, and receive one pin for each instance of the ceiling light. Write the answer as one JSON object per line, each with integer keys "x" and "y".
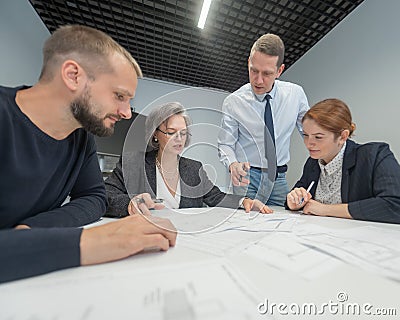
{"x": 204, "y": 13}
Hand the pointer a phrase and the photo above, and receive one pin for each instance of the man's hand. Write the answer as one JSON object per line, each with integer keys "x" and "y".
{"x": 238, "y": 171}
{"x": 126, "y": 237}
{"x": 256, "y": 205}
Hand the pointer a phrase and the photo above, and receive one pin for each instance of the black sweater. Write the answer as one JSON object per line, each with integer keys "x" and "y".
{"x": 37, "y": 173}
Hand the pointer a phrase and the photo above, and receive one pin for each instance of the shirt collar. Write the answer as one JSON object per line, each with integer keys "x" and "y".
{"x": 336, "y": 162}
{"x": 261, "y": 97}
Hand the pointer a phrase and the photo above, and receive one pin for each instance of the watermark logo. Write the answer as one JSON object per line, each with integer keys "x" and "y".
{"x": 341, "y": 306}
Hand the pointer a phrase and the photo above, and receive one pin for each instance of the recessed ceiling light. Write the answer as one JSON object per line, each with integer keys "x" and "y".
{"x": 204, "y": 13}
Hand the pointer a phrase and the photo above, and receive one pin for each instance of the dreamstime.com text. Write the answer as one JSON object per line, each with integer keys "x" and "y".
{"x": 341, "y": 306}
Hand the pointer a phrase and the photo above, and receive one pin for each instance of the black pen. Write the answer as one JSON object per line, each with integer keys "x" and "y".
{"x": 245, "y": 169}
{"x": 141, "y": 200}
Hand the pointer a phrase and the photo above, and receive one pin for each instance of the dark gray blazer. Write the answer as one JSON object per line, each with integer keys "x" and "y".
{"x": 131, "y": 177}
{"x": 370, "y": 181}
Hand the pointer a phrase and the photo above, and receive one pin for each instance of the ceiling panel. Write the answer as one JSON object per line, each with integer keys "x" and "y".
{"x": 164, "y": 38}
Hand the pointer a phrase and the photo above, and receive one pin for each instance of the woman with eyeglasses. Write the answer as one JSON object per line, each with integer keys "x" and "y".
{"x": 164, "y": 174}
{"x": 345, "y": 179}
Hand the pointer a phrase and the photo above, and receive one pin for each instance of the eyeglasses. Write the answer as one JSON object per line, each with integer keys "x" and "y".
{"x": 175, "y": 134}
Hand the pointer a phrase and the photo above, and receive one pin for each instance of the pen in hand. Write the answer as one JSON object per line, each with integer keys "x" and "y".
{"x": 308, "y": 190}
{"x": 245, "y": 169}
{"x": 141, "y": 200}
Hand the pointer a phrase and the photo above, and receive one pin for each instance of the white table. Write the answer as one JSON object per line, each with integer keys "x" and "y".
{"x": 230, "y": 275}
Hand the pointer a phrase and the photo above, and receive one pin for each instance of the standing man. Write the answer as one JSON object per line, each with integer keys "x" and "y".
{"x": 47, "y": 148}
{"x": 258, "y": 120}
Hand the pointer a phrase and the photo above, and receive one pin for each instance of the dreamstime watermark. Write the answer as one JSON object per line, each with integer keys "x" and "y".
{"x": 341, "y": 306}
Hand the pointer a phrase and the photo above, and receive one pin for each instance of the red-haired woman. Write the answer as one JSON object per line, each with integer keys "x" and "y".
{"x": 348, "y": 180}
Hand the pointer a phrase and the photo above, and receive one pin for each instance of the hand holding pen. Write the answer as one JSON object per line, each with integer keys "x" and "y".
{"x": 142, "y": 203}
{"x": 298, "y": 197}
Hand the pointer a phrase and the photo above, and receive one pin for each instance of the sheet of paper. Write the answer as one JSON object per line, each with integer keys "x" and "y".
{"x": 217, "y": 219}
{"x": 212, "y": 290}
{"x": 225, "y": 239}
{"x": 219, "y": 243}
{"x": 284, "y": 252}
{"x": 372, "y": 248}
{"x": 196, "y": 220}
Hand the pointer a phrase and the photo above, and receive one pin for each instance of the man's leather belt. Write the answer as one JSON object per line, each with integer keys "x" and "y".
{"x": 279, "y": 169}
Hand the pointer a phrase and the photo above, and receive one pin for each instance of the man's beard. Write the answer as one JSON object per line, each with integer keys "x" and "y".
{"x": 81, "y": 109}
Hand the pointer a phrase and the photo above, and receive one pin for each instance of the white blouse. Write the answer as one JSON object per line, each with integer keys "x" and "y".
{"x": 163, "y": 192}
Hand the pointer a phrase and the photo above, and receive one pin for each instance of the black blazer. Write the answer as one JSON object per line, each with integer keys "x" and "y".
{"x": 370, "y": 181}
{"x": 132, "y": 177}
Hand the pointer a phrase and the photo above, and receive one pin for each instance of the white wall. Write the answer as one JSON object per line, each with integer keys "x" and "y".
{"x": 358, "y": 62}
{"x": 22, "y": 35}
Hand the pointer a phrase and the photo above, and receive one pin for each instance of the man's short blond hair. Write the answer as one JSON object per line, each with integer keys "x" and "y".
{"x": 89, "y": 47}
{"x": 270, "y": 44}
